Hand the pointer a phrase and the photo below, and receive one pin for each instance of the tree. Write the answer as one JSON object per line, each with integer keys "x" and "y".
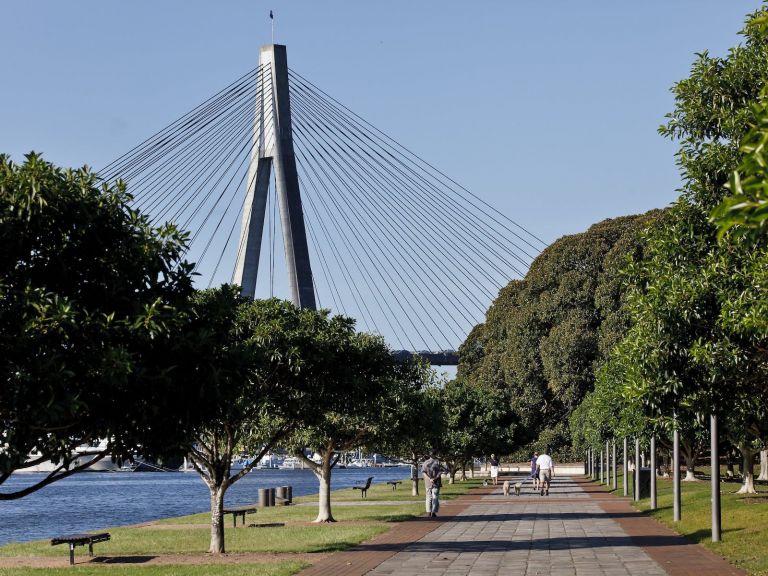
{"x": 365, "y": 389}
{"x": 91, "y": 298}
{"x": 545, "y": 336}
{"x": 476, "y": 421}
{"x": 417, "y": 422}
{"x": 262, "y": 367}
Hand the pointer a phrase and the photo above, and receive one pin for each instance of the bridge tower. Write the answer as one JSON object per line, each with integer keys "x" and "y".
{"x": 273, "y": 147}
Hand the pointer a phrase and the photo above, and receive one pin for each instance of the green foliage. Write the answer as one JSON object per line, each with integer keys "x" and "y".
{"x": 545, "y": 336}
{"x": 745, "y": 212}
{"x": 416, "y": 421}
{"x": 264, "y": 369}
{"x": 91, "y": 297}
{"x": 476, "y": 420}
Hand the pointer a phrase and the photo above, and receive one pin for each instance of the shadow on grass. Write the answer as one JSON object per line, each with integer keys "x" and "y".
{"x": 705, "y": 534}
{"x": 122, "y": 559}
{"x": 267, "y": 525}
{"x": 395, "y": 517}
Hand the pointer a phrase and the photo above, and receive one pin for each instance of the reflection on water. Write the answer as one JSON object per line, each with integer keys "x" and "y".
{"x": 96, "y": 500}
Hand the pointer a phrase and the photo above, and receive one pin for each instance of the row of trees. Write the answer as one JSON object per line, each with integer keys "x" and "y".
{"x": 649, "y": 323}
{"x": 104, "y": 337}
{"x": 696, "y": 299}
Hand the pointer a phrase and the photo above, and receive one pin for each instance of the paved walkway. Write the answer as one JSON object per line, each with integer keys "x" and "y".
{"x": 577, "y": 530}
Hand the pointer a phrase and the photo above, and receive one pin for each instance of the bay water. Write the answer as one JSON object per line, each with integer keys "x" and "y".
{"x": 97, "y": 500}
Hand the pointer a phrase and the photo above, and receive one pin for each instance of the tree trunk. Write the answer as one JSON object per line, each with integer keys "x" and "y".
{"x": 463, "y": 471}
{"x": 690, "y": 466}
{"x": 323, "y": 473}
{"x": 763, "y": 465}
{"x": 415, "y": 477}
{"x": 217, "y": 519}
{"x": 748, "y": 457}
{"x": 729, "y": 465}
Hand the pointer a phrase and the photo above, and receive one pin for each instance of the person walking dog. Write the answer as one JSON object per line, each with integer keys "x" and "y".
{"x": 494, "y": 469}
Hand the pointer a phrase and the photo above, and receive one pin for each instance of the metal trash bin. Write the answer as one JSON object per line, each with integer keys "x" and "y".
{"x": 644, "y": 485}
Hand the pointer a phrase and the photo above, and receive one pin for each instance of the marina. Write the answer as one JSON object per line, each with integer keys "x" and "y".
{"x": 95, "y": 501}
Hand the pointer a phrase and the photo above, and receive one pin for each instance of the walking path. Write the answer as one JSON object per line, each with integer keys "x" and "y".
{"x": 578, "y": 529}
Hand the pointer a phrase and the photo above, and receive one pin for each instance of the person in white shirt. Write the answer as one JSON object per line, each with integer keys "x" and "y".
{"x": 546, "y": 471}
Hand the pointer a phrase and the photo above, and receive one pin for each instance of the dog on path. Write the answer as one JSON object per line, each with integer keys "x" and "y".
{"x": 505, "y": 487}
{"x": 518, "y": 486}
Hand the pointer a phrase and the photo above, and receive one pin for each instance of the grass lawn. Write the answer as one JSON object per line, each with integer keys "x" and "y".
{"x": 744, "y": 519}
{"x": 280, "y": 529}
{"x": 265, "y": 569}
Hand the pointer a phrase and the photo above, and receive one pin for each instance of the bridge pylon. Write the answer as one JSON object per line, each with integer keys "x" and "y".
{"x": 273, "y": 147}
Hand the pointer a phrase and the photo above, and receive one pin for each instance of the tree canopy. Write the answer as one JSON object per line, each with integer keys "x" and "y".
{"x": 545, "y": 336}
{"x": 91, "y": 296}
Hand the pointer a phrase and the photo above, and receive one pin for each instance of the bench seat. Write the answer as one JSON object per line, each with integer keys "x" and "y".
{"x": 80, "y": 540}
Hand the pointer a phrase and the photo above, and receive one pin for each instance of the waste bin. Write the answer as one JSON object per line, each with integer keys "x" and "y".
{"x": 644, "y": 485}
{"x": 264, "y": 497}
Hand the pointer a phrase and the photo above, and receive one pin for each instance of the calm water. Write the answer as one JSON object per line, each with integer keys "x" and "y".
{"x": 96, "y": 500}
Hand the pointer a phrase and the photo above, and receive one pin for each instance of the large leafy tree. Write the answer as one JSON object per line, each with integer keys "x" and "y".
{"x": 91, "y": 299}
{"x": 264, "y": 368}
{"x": 477, "y": 421}
{"x": 417, "y": 422}
{"x": 546, "y": 335}
{"x": 365, "y": 389}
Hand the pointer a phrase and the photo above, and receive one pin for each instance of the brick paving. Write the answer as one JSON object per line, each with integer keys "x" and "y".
{"x": 578, "y": 530}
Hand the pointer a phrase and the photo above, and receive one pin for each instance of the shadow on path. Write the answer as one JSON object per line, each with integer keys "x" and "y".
{"x": 559, "y": 543}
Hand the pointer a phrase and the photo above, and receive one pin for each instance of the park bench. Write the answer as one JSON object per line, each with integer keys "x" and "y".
{"x": 80, "y": 540}
{"x": 364, "y": 489}
{"x": 394, "y": 483}
{"x": 240, "y": 511}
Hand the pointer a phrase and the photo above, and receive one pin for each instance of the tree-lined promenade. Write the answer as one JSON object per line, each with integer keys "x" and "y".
{"x": 646, "y": 329}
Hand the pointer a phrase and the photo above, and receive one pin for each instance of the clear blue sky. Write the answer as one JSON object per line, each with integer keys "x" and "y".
{"x": 548, "y": 110}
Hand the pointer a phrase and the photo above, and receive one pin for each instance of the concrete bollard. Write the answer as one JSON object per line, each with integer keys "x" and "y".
{"x": 271, "y": 496}
{"x": 281, "y": 496}
{"x": 263, "y": 497}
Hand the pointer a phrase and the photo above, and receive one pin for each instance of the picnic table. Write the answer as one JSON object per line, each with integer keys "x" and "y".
{"x": 80, "y": 540}
{"x": 394, "y": 483}
{"x": 240, "y": 511}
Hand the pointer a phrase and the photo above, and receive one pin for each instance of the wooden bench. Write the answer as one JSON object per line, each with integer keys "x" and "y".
{"x": 80, "y": 540}
{"x": 394, "y": 483}
{"x": 240, "y": 511}
{"x": 364, "y": 489}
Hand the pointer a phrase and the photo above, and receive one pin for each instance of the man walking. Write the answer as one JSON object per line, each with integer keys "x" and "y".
{"x": 546, "y": 471}
{"x": 431, "y": 470}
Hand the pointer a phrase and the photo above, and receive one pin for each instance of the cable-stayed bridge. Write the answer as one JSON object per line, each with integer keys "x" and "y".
{"x": 368, "y": 228}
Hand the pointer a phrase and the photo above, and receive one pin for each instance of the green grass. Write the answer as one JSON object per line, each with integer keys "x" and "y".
{"x": 304, "y": 514}
{"x": 744, "y": 520}
{"x": 148, "y": 542}
{"x": 261, "y": 569}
